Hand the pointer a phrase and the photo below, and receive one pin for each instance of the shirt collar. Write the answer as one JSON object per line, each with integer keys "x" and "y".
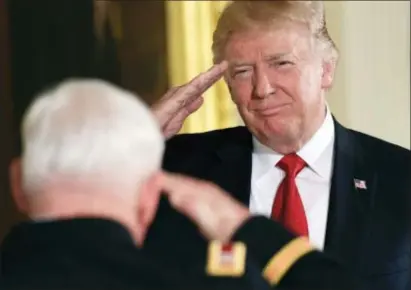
{"x": 310, "y": 152}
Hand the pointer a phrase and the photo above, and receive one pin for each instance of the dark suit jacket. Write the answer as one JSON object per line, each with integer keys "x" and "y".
{"x": 368, "y": 229}
{"x": 79, "y": 254}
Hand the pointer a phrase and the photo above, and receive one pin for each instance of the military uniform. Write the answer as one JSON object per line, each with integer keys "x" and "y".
{"x": 285, "y": 261}
{"x": 80, "y": 254}
{"x": 92, "y": 253}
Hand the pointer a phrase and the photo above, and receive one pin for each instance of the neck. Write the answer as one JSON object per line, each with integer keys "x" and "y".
{"x": 67, "y": 204}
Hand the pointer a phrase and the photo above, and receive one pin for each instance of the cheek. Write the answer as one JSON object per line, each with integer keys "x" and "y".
{"x": 309, "y": 91}
{"x": 289, "y": 85}
{"x": 241, "y": 92}
{"x": 310, "y": 84}
{"x": 302, "y": 87}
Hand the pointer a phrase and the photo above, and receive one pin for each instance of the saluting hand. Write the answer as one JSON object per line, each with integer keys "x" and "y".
{"x": 213, "y": 210}
{"x": 180, "y": 102}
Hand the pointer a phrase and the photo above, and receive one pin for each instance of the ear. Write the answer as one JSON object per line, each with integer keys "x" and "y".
{"x": 147, "y": 204}
{"x": 16, "y": 185}
{"x": 328, "y": 69}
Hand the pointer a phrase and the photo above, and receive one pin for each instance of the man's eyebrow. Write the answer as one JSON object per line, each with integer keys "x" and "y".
{"x": 272, "y": 57}
{"x": 277, "y": 56}
{"x": 240, "y": 63}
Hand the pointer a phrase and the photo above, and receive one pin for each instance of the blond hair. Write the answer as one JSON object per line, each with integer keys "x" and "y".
{"x": 245, "y": 15}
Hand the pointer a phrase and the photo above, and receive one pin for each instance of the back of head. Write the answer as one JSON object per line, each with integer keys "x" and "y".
{"x": 89, "y": 130}
{"x": 239, "y": 16}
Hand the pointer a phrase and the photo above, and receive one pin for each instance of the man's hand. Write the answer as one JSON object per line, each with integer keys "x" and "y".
{"x": 213, "y": 210}
{"x": 180, "y": 102}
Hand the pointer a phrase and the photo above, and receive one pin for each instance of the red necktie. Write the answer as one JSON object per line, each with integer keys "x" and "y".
{"x": 288, "y": 208}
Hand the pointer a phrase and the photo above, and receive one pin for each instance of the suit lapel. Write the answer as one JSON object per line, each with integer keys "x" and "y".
{"x": 350, "y": 203}
{"x": 232, "y": 171}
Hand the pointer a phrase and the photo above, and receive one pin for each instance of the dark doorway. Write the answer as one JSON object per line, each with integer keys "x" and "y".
{"x": 47, "y": 41}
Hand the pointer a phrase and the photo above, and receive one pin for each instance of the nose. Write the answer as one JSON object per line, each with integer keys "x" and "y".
{"x": 262, "y": 86}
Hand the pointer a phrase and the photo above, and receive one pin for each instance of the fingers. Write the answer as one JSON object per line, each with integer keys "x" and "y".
{"x": 176, "y": 184}
{"x": 192, "y": 91}
{"x": 201, "y": 83}
{"x": 205, "y": 80}
{"x": 178, "y": 189}
{"x": 188, "y": 97}
{"x": 171, "y": 92}
{"x": 179, "y": 117}
{"x": 191, "y": 108}
{"x": 187, "y": 110}
{"x": 216, "y": 214}
{"x": 161, "y": 109}
{"x": 175, "y": 122}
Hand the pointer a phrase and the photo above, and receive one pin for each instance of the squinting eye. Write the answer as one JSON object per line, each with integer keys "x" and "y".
{"x": 282, "y": 63}
{"x": 241, "y": 73}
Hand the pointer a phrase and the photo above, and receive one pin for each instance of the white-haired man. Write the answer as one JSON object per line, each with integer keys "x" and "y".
{"x": 348, "y": 192}
{"x": 88, "y": 180}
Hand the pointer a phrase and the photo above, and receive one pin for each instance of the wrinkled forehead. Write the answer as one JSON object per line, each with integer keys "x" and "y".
{"x": 264, "y": 42}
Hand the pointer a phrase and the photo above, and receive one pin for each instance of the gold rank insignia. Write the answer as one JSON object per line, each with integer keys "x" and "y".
{"x": 226, "y": 259}
{"x": 285, "y": 258}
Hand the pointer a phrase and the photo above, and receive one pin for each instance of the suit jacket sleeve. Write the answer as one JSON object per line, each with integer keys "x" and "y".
{"x": 288, "y": 262}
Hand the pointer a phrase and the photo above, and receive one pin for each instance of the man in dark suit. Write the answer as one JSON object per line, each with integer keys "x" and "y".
{"x": 90, "y": 206}
{"x": 347, "y": 191}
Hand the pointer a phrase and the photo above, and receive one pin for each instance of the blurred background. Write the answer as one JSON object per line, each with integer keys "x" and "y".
{"x": 150, "y": 46}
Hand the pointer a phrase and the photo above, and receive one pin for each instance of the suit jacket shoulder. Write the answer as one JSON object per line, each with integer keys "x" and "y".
{"x": 392, "y": 166}
{"x": 184, "y": 149}
{"x": 205, "y": 140}
{"x": 383, "y": 152}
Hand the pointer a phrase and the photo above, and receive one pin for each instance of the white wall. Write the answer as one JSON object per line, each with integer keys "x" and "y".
{"x": 372, "y": 87}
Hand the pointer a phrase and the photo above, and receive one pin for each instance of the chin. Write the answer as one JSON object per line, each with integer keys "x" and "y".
{"x": 278, "y": 124}
{"x": 268, "y": 126}
{"x": 279, "y": 129}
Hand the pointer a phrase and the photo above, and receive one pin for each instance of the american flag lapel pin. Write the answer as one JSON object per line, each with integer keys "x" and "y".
{"x": 360, "y": 184}
{"x": 226, "y": 259}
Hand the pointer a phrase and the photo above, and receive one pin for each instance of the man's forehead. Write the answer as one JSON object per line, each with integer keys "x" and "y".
{"x": 270, "y": 45}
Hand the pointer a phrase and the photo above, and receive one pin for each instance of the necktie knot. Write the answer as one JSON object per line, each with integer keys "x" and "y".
{"x": 292, "y": 164}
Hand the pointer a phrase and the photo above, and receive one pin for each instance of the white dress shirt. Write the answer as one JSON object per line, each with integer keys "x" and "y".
{"x": 313, "y": 182}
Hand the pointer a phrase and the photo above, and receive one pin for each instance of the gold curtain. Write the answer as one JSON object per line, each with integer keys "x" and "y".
{"x": 190, "y": 26}
{"x": 111, "y": 12}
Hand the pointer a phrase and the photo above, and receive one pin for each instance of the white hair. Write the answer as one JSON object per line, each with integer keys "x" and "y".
{"x": 85, "y": 128}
